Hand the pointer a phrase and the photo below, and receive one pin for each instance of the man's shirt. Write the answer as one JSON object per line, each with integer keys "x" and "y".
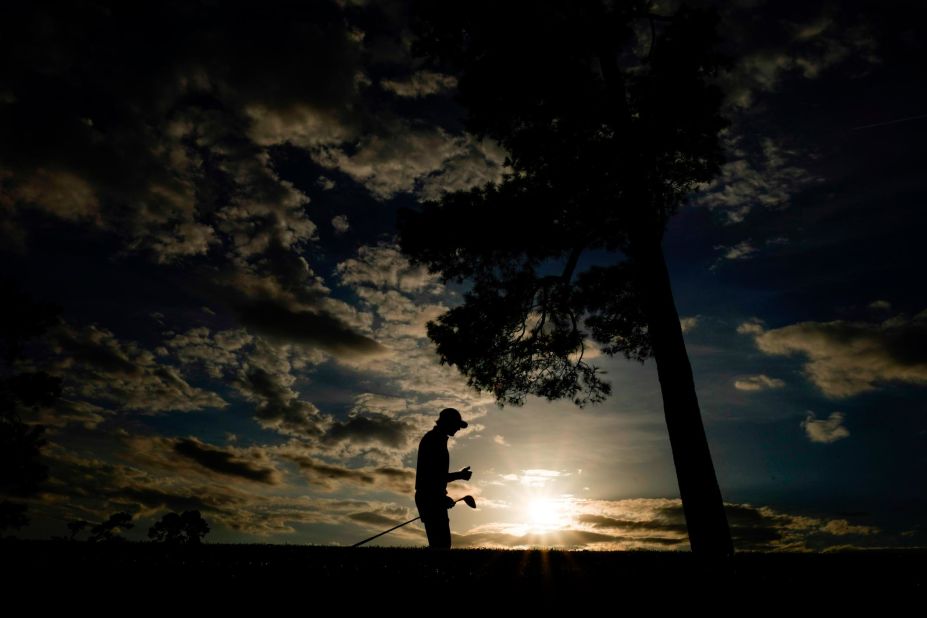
{"x": 433, "y": 461}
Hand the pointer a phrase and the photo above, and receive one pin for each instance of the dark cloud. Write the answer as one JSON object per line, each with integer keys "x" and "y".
{"x": 600, "y": 521}
{"x": 330, "y": 476}
{"x": 278, "y": 405}
{"x": 644, "y": 523}
{"x": 310, "y": 327}
{"x": 226, "y": 462}
{"x": 371, "y": 428}
{"x": 375, "y": 519}
{"x": 89, "y": 488}
{"x": 93, "y": 486}
{"x": 96, "y": 365}
{"x": 292, "y": 305}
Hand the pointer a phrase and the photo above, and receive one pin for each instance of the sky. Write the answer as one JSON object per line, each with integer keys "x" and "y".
{"x": 210, "y": 194}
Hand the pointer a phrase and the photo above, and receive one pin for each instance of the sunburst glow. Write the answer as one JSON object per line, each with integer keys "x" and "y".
{"x": 546, "y": 514}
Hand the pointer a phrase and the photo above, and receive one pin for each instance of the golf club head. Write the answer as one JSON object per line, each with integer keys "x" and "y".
{"x": 470, "y": 501}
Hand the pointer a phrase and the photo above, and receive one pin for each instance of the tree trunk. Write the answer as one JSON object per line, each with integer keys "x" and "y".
{"x": 709, "y": 534}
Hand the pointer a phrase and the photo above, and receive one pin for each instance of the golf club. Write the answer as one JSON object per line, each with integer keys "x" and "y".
{"x": 467, "y": 499}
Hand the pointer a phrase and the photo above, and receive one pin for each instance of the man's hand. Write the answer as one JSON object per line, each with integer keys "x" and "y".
{"x": 465, "y": 474}
{"x": 449, "y": 502}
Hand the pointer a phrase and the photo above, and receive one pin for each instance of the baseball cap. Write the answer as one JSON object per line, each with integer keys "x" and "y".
{"x": 452, "y": 416}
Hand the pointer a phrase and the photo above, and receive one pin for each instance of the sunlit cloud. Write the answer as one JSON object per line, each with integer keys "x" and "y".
{"x": 825, "y": 430}
{"x": 757, "y": 383}
{"x": 689, "y": 323}
{"x": 536, "y": 477}
{"x": 847, "y": 358}
{"x": 420, "y": 84}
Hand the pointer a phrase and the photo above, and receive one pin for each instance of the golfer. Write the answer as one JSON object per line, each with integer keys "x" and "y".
{"x": 432, "y": 477}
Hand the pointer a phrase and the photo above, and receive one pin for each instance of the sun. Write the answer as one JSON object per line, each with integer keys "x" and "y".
{"x": 546, "y": 514}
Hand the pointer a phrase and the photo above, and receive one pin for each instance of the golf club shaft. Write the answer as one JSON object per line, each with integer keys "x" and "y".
{"x": 382, "y": 533}
{"x": 393, "y": 528}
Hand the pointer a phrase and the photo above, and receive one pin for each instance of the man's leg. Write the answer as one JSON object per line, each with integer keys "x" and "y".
{"x": 438, "y": 529}
{"x": 437, "y": 523}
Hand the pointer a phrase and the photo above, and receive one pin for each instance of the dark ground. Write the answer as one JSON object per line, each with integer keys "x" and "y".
{"x": 622, "y": 577}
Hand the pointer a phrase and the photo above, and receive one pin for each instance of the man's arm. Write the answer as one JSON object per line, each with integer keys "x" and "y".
{"x": 462, "y": 475}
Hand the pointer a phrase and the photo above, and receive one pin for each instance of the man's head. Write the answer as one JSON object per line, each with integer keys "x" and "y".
{"x": 449, "y": 421}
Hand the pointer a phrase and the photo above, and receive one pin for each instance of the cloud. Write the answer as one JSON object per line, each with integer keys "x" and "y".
{"x": 384, "y": 266}
{"x": 770, "y": 53}
{"x": 265, "y": 378}
{"x": 420, "y": 84}
{"x": 740, "y": 251}
{"x": 293, "y": 307}
{"x": 535, "y": 477}
{"x": 181, "y": 170}
{"x": 496, "y": 536}
{"x": 847, "y": 358}
{"x": 689, "y": 323}
{"x": 841, "y": 527}
{"x": 386, "y": 516}
{"x": 390, "y": 287}
{"x": 414, "y": 159}
{"x": 371, "y": 428}
{"x": 225, "y": 462}
{"x": 90, "y": 488}
{"x": 478, "y": 164}
{"x": 659, "y": 523}
{"x": 656, "y": 524}
{"x": 65, "y": 412}
{"x": 880, "y": 305}
{"x": 265, "y": 372}
{"x": 340, "y": 224}
{"x": 291, "y": 323}
{"x": 389, "y": 164}
{"x": 59, "y": 192}
{"x": 757, "y": 383}
{"x": 826, "y": 430}
{"x": 191, "y": 458}
{"x": 216, "y": 352}
{"x": 329, "y": 477}
{"x": 754, "y": 326}
{"x": 96, "y": 365}
{"x": 500, "y": 440}
{"x": 403, "y": 316}
{"x": 763, "y": 178}
{"x": 261, "y": 371}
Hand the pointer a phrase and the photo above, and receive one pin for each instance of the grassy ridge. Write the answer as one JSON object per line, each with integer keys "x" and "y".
{"x": 889, "y": 574}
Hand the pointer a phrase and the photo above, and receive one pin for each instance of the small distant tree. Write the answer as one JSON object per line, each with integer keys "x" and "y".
{"x": 21, "y": 469}
{"x": 188, "y": 528}
{"x": 108, "y": 531}
{"x": 76, "y": 527}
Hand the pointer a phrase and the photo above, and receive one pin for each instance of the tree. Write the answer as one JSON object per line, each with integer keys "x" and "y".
{"x": 21, "y": 471}
{"x": 108, "y": 531}
{"x": 76, "y": 527}
{"x": 609, "y": 118}
{"x": 188, "y": 528}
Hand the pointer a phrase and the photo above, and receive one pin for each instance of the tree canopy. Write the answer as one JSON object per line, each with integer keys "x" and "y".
{"x": 186, "y": 528}
{"x": 610, "y": 119}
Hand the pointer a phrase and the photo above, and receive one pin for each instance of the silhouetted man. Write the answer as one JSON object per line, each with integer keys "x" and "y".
{"x": 432, "y": 477}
